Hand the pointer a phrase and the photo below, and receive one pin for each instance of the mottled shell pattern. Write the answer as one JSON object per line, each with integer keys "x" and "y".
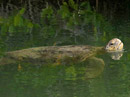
{"x": 114, "y": 45}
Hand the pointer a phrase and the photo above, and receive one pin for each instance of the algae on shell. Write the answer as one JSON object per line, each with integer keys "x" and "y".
{"x": 51, "y": 53}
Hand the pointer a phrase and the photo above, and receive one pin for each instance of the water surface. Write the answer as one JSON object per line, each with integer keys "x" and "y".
{"x": 104, "y": 77}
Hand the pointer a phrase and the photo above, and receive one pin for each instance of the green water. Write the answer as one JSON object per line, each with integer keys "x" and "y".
{"x": 102, "y": 78}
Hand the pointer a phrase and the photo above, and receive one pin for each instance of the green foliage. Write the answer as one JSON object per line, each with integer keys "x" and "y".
{"x": 62, "y": 26}
{"x": 47, "y": 12}
{"x": 15, "y": 23}
{"x": 64, "y": 11}
{"x": 18, "y": 19}
{"x": 73, "y": 5}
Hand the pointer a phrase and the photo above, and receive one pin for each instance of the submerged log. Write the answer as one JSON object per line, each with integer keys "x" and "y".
{"x": 51, "y": 53}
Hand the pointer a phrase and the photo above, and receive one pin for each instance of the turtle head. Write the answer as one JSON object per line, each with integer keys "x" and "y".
{"x": 114, "y": 45}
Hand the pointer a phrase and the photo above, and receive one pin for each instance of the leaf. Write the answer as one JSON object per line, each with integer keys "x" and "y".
{"x": 52, "y": 31}
{"x": 65, "y": 4}
{"x": 88, "y": 6}
{"x": 1, "y": 20}
{"x": 47, "y": 12}
{"x": 4, "y": 28}
{"x": 37, "y": 26}
{"x": 95, "y": 30}
{"x": 18, "y": 20}
{"x": 76, "y": 19}
{"x": 11, "y": 28}
{"x": 21, "y": 12}
{"x": 73, "y": 5}
{"x": 64, "y": 11}
{"x": 70, "y": 22}
{"x": 104, "y": 37}
{"x": 30, "y": 25}
{"x": 84, "y": 4}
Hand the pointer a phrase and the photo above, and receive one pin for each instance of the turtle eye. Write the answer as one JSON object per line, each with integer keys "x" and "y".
{"x": 111, "y": 43}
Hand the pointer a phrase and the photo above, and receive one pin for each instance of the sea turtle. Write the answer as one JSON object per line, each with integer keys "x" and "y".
{"x": 114, "y": 45}
{"x": 115, "y": 48}
{"x": 56, "y": 53}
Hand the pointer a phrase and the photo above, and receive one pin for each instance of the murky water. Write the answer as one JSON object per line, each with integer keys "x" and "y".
{"x": 105, "y": 75}
{"x": 101, "y": 76}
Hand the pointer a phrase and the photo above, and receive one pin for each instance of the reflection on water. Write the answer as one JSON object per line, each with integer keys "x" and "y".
{"x": 97, "y": 77}
{"x": 94, "y": 67}
{"x": 100, "y": 76}
{"x": 116, "y": 55}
